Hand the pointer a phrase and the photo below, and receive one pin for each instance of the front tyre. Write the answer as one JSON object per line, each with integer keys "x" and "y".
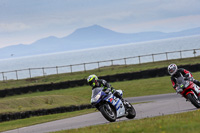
{"x": 108, "y": 112}
{"x": 195, "y": 101}
{"x": 131, "y": 111}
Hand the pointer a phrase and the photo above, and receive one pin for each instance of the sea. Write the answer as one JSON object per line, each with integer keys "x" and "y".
{"x": 71, "y": 61}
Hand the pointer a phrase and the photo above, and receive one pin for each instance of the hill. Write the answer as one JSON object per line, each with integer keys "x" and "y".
{"x": 88, "y": 37}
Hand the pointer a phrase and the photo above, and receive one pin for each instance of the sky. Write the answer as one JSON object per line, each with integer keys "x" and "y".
{"x": 26, "y": 21}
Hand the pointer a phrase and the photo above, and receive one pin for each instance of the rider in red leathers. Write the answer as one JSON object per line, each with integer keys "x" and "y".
{"x": 176, "y": 72}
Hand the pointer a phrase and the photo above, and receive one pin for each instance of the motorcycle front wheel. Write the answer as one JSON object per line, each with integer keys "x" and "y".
{"x": 194, "y": 100}
{"x": 108, "y": 112}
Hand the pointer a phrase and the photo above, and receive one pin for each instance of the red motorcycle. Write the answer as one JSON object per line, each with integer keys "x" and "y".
{"x": 189, "y": 90}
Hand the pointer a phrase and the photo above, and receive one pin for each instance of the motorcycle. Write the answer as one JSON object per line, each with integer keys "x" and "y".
{"x": 189, "y": 90}
{"x": 110, "y": 106}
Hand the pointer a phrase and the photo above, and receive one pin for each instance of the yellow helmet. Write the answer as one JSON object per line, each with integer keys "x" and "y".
{"x": 91, "y": 80}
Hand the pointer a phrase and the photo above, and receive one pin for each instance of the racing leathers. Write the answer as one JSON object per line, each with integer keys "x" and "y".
{"x": 184, "y": 73}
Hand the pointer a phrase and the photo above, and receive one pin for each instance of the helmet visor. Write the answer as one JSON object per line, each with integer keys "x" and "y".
{"x": 171, "y": 70}
{"x": 90, "y": 83}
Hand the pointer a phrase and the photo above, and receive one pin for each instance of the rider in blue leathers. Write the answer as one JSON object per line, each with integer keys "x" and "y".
{"x": 95, "y": 82}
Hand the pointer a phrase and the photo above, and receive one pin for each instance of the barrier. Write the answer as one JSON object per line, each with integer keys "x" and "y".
{"x": 40, "y": 112}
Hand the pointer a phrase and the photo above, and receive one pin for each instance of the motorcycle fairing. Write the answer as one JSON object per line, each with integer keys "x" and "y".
{"x": 117, "y": 103}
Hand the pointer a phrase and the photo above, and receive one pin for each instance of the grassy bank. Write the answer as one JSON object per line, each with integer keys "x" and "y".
{"x": 181, "y": 123}
{"x": 81, "y": 95}
{"x": 8, "y": 125}
{"x": 102, "y": 72}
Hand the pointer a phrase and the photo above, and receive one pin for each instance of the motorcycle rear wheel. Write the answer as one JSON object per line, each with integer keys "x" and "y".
{"x": 108, "y": 112}
{"x": 193, "y": 100}
{"x": 131, "y": 112}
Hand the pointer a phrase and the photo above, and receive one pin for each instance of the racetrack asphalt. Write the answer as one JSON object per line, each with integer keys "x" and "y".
{"x": 149, "y": 106}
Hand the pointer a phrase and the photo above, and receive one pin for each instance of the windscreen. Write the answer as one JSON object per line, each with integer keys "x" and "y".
{"x": 96, "y": 91}
{"x": 180, "y": 80}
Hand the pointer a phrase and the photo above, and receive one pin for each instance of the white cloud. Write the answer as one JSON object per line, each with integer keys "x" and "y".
{"x": 12, "y": 27}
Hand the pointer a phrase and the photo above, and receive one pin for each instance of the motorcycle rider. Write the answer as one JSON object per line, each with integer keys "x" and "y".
{"x": 176, "y": 72}
{"x": 95, "y": 82}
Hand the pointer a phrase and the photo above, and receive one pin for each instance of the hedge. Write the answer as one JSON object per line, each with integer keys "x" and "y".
{"x": 40, "y": 112}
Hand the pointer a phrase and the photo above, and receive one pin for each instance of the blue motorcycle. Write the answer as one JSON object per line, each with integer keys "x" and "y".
{"x": 110, "y": 106}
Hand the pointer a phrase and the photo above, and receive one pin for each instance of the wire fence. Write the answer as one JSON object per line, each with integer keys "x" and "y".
{"x": 44, "y": 71}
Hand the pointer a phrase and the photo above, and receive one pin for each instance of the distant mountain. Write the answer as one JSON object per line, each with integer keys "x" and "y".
{"x": 88, "y": 37}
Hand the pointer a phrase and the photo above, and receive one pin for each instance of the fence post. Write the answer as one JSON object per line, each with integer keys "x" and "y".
{"x": 3, "y": 75}
{"x": 98, "y": 66}
{"x": 57, "y": 69}
{"x": 43, "y": 71}
{"x": 166, "y": 56}
{"x": 181, "y": 54}
{"x": 153, "y": 57}
{"x": 125, "y": 61}
{"x": 16, "y": 74}
{"x": 139, "y": 59}
{"x": 111, "y": 62}
{"x": 84, "y": 67}
{"x": 30, "y": 72}
{"x": 71, "y": 68}
{"x": 194, "y": 53}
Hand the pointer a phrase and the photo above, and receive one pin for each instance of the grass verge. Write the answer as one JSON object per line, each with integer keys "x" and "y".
{"x": 9, "y": 125}
{"x": 182, "y": 123}
{"x": 4, "y": 126}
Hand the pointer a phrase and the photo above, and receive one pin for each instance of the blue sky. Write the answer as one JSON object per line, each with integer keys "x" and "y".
{"x": 25, "y": 21}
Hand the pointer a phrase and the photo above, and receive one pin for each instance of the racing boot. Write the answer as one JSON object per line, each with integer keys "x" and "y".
{"x": 118, "y": 95}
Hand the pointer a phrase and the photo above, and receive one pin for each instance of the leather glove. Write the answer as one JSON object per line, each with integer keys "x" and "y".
{"x": 187, "y": 75}
{"x": 191, "y": 79}
{"x": 107, "y": 90}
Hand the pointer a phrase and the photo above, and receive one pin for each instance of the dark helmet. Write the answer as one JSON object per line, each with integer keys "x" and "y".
{"x": 172, "y": 69}
{"x": 91, "y": 80}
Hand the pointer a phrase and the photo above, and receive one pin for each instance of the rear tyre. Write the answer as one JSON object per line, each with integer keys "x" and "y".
{"x": 108, "y": 112}
{"x": 131, "y": 111}
{"x": 195, "y": 101}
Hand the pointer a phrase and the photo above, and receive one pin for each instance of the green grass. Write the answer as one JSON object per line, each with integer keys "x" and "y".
{"x": 102, "y": 72}
{"x": 8, "y": 125}
{"x": 181, "y": 123}
{"x": 81, "y": 95}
